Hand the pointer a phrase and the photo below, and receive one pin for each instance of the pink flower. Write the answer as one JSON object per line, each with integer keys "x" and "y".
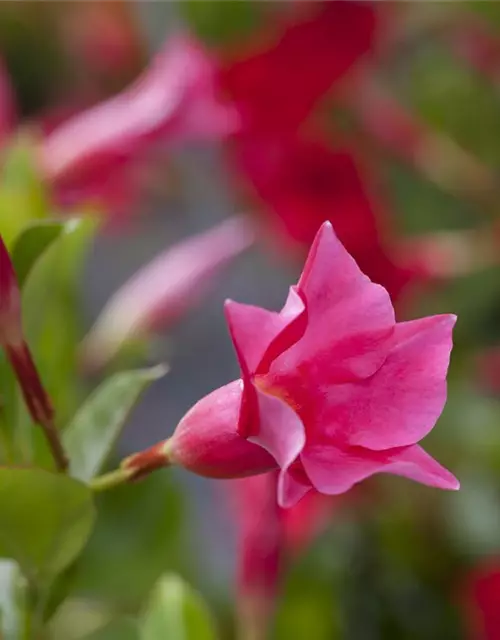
{"x": 332, "y": 389}
{"x": 173, "y": 100}
{"x": 162, "y": 291}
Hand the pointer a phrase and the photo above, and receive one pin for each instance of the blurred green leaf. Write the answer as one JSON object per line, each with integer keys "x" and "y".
{"x": 91, "y": 435}
{"x": 222, "y": 22}
{"x": 437, "y": 83}
{"x": 472, "y": 515}
{"x": 122, "y": 629}
{"x": 30, "y": 245}
{"x": 138, "y": 534}
{"x": 488, "y": 10}
{"x": 46, "y": 519}
{"x": 176, "y": 612}
{"x": 23, "y": 198}
{"x": 9, "y": 601}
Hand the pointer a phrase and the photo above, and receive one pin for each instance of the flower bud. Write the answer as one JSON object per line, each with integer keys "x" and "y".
{"x": 206, "y": 440}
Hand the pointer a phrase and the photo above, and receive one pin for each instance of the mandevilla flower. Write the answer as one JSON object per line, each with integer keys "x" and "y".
{"x": 332, "y": 389}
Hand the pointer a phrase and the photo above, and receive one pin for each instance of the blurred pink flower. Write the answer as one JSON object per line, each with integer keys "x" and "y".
{"x": 266, "y": 536}
{"x": 481, "y": 597}
{"x": 7, "y": 105}
{"x": 286, "y": 72}
{"x": 173, "y": 100}
{"x": 162, "y": 291}
{"x": 333, "y": 390}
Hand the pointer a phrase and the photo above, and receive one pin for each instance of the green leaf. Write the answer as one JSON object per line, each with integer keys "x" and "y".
{"x": 219, "y": 21}
{"x": 176, "y": 612}
{"x": 22, "y": 193}
{"x": 45, "y": 520}
{"x": 150, "y": 519}
{"x": 121, "y": 629}
{"x": 10, "y": 624}
{"x": 52, "y": 325}
{"x": 94, "y": 430}
{"x": 31, "y": 244}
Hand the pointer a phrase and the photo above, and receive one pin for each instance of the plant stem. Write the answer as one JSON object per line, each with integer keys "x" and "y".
{"x": 36, "y": 398}
{"x": 111, "y": 479}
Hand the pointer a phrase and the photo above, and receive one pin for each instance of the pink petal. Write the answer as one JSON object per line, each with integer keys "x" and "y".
{"x": 350, "y": 322}
{"x": 334, "y": 470}
{"x": 292, "y": 487}
{"x": 166, "y": 288}
{"x": 350, "y": 319}
{"x": 333, "y": 284}
{"x": 416, "y": 464}
{"x": 257, "y": 335}
{"x": 257, "y": 332}
{"x": 400, "y": 404}
{"x": 280, "y": 430}
{"x": 175, "y": 97}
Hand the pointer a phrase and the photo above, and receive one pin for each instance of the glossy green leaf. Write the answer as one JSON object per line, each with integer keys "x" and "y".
{"x": 31, "y": 244}
{"x": 45, "y": 519}
{"x": 176, "y": 612}
{"x": 94, "y": 430}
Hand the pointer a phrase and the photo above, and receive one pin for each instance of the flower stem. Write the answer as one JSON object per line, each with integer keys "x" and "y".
{"x": 110, "y": 480}
{"x": 137, "y": 466}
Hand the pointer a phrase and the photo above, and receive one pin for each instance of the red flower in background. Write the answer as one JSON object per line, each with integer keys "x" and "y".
{"x": 303, "y": 182}
{"x": 281, "y": 79}
{"x": 481, "y": 597}
{"x": 267, "y": 534}
{"x": 300, "y": 179}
